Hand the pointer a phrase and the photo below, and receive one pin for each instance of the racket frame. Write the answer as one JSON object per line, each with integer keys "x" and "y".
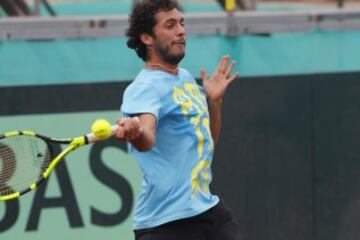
{"x": 74, "y": 143}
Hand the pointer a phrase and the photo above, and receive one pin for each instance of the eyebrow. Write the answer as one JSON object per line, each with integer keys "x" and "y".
{"x": 173, "y": 20}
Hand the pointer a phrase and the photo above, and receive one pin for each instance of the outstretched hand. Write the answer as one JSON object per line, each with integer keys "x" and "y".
{"x": 216, "y": 85}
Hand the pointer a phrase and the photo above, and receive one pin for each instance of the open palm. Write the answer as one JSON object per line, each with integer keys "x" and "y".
{"x": 216, "y": 85}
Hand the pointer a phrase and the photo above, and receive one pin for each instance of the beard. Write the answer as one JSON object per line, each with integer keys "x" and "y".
{"x": 166, "y": 55}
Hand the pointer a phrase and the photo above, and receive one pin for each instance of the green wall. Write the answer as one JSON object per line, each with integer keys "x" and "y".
{"x": 54, "y": 211}
{"x": 286, "y": 162}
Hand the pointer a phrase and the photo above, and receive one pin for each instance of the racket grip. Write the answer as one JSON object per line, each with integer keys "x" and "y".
{"x": 114, "y": 129}
{"x": 91, "y": 138}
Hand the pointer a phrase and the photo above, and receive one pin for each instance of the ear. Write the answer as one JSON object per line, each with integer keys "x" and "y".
{"x": 146, "y": 39}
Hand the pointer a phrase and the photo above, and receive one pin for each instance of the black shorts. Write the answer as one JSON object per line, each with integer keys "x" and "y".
{"x": 217, "y": 223}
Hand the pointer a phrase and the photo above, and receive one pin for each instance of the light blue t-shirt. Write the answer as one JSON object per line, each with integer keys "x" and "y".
{"x": 176, "y": 171}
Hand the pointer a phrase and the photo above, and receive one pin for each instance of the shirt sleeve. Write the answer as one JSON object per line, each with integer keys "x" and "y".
{"x": 141, "y": 98}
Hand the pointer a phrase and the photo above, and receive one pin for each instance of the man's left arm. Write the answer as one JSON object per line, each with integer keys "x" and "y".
{"x": 215, "y": 88}
{"x": 215, "y": 118}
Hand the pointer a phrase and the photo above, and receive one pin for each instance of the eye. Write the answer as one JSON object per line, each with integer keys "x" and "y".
{"x": 170, "y": 25}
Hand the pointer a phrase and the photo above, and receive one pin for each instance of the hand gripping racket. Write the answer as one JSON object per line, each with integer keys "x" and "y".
{"x": 28, "y": 158}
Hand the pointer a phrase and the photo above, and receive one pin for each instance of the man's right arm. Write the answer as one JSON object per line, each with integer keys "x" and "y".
{"x": 139, "y": 131}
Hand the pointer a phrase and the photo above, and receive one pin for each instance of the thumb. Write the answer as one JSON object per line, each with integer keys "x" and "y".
{"x": 203, "y": 74}
{"x": 120, "y": 122}
{"x": 120, "y": 133}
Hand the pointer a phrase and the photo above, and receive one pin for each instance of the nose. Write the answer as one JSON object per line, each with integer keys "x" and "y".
{"x": 181, "y": 29}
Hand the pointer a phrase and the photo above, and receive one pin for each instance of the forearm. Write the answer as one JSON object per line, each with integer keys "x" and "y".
{"x": 215, "y": 88}
{"x": 145, "y": 141}
{"x": 215, "y": 109}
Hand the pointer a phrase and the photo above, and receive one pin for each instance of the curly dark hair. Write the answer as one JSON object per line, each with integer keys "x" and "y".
{"x": 142, "y": 20}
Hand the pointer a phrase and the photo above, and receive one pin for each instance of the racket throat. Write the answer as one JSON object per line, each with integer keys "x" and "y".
{"x": 79, "y": 141}
{"x": 74, "y": 144}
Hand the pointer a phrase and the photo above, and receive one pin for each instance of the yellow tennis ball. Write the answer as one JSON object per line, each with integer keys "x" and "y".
{"x": 101, "y": 129}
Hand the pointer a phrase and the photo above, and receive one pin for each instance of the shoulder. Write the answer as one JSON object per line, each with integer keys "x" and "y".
{"x": 184, "y": 73}
{"x": 142, "y": 82}
{"x": 186, "y": 76}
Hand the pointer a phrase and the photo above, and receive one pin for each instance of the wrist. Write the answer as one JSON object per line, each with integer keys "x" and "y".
{"x": 218, "y": 101}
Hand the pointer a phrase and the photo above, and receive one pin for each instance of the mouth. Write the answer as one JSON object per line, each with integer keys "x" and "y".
{"x": 180, "y": 42}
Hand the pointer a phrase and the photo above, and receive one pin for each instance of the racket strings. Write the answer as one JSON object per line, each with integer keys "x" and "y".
{"x": 22, "y": 162}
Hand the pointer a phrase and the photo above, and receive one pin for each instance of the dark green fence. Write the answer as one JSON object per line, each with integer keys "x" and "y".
{"x": 288, "y": 159}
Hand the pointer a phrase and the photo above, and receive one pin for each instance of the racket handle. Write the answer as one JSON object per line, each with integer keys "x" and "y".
{"x": 114, "y": 129}
{"x": 91, "y": 138}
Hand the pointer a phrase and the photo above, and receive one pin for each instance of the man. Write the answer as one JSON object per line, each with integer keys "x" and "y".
{"x": 172, "y": 125}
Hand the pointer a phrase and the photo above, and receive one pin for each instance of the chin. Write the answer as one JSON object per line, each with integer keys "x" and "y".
{"x": 179, "y": 54}
{"x": 178, "y": 49}
{"x": 175, "y": 58}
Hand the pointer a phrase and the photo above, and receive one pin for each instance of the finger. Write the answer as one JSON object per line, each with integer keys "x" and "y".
{"x": 136, "y": 120}
{"x": 135, "y": 124}
{"x": 230, "y": 80}
{"x": 132, "y": 128}
{"x": 139, "y": 130}
{"x": 230, "y": 68}
{"x": 127, "y": 125}
{"x": 127, "y": 134}
{"x": 131, "y": 135}
{"x": 121, "y": 121}
{"x": 222, "y": 64}
{"x": 138, "y": 125}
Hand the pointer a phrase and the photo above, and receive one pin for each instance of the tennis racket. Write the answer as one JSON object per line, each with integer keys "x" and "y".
{"x": 28, "y": 158}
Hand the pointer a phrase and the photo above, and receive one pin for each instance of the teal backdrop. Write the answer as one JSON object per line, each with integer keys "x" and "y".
{"x": 104, "y": 60}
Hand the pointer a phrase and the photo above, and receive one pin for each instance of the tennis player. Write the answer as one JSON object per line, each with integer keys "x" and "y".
{"x": 172, "y": 125}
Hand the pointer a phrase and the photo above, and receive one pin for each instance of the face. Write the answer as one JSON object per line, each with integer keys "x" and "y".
{"x": 169, "y": 36}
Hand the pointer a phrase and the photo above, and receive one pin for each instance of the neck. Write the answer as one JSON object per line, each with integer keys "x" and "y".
{"x": 162, "y": 67}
